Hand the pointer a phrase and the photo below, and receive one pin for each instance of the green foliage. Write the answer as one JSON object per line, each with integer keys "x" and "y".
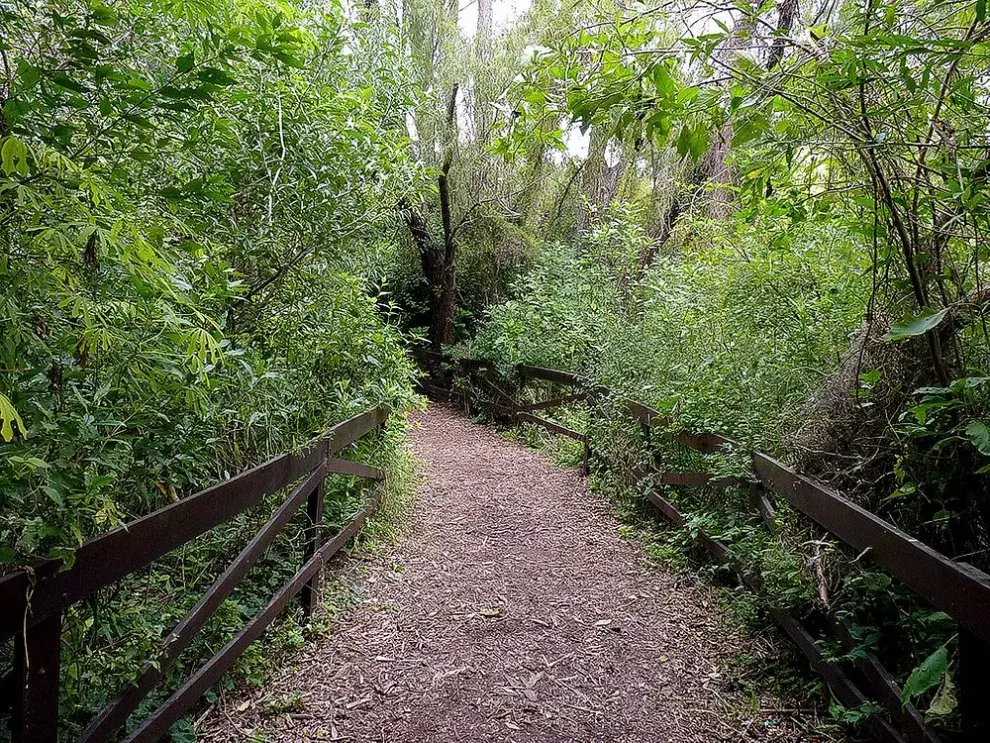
{"x": 173, "y": 310}
{"x": 926, "y": 676}
{"x": 731, "y": 334}
{"x": 193, "y": 198}
{"x": 915, "y": 326}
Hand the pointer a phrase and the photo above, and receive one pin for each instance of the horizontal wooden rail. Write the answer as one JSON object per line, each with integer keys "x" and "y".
{"x": 848, "y": 694}
{"x": 498, "y": 411}
{"x": 34, "y": 600}
{"x": 554, "y": 403}
{"x": 106, "y": 559}
{"x": 336, "y": 466}
{"x": 958, "y": 589}
{"x": 841, "y": 685}
{"x": 161, "y": 720}
{"x": 697, "y": 479}
{"x": 551, "y": 426}
{"x": 550, "y": 375}
{"x": 115, "y": 714}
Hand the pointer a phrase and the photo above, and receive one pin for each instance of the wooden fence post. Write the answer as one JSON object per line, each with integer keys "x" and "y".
{"x": 37, "y": 657}
{"x": 974, "y": 687}
{"x": 310, "y": 593}
{"x": 592, "y": 402}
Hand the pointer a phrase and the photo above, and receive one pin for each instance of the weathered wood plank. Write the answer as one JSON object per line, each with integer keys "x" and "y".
{"x": 644, "y": 414}
{"x": 842, "y": 687}
{"x": 549, "y": 375}
{"x": 115, "y": 714}
{"x": 498, "y": 410}
{"x": 158, "y": 723}
{"x": 696, "y": 479}
{"x": 974, "y": 687}
{"x": 958, "y": 589}
{"x": 355, "y": 469}
{"x": 554, "y": 403}
{"x": 551, "y": 426}
{"x": 37, "y": 658}
{"x": 118, "y": 553}
{"x": 310, "y": 594}
{"x": 759, "y": 501}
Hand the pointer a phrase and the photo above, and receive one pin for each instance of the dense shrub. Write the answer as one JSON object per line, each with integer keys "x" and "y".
{"x": 730, "y": 333}
{"x": 192, "y": 199}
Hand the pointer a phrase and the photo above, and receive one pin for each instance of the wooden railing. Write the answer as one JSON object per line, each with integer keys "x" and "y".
{"x": 960, "y": 590}
{"x": 32, "y": 602}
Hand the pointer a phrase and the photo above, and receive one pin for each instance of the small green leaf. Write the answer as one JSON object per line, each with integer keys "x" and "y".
{"x": 185, "y": 62}
{"x": 64, "y": 81}
{"x": 215, "y": 76}
{"x": 914, "y": 326}
{"x": 693, "y": 141}
{"x": 13, "y": 157}
{"x": 9, "y": 418}
{"x": 979, "y": 436}
{"x": 66, "y": 554}
{"x": 927, "y": 675}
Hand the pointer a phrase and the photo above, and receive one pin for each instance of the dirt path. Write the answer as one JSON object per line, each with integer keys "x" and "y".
{"x": 512, "y": 611}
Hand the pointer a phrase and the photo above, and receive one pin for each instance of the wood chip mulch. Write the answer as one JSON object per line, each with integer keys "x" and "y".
{"x": 512, "y": 610}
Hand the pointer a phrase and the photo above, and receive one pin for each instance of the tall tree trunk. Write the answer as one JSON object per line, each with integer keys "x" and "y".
{"x": 787, "y": 11}
{"x": 481, "y": 115}
{"x": 446, "y": 289}
{"x": 438, "y": 272}
{"x": 484, "y": 20}
{"x": 438, "y": 257}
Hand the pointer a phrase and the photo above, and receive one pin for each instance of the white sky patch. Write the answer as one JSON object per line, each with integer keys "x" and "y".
{"x": 465, "y": 125}
{"x": 613, "y": 154}
{"x": 577, "y": 142}
{"x": 577, "y": 145}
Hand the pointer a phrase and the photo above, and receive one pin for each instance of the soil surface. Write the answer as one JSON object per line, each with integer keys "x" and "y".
{"x": 512, "y": 610}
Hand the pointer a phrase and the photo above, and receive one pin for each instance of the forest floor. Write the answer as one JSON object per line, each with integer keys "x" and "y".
{"x": 512, "y": 610}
